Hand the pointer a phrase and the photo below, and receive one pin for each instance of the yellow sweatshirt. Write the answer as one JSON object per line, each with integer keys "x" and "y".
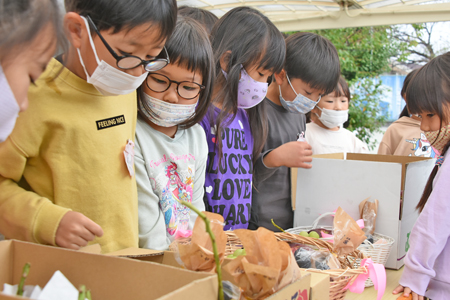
{"x": 66, "y": 153}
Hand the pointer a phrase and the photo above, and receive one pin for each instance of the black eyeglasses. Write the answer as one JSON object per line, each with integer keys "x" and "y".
{"x": 128, "y": 61}
{"x": 186, "y": 89}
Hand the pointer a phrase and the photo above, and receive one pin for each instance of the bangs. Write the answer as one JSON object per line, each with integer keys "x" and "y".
{"x": 342, "y": 89}
{"x": 425, "y": 90}
{"x": 314, "y": 60}
{"x": 252, "y": 40}
{"x": 274, "y": 56}
{"x": 189, "y": 47}
{"x": 126, "y": 15}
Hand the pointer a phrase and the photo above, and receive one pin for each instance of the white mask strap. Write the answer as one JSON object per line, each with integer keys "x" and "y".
{"x": 91, "y": 40}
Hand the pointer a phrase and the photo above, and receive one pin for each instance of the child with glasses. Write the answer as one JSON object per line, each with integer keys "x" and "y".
{"x": 67, "y": 172}
{"x": 171, "y": 148}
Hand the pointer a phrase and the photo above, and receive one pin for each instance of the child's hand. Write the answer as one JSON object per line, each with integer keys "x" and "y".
{"x": 292, "y": 155}
{"x": 75, "y": 230}
{"x": 407, "y": 293}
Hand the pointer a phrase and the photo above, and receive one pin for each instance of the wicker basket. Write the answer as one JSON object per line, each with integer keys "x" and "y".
{"x": 378, "y": 253}
{"x": 233, "y": 243}
{"x": 314, "y": 225}
{"x": 339, "y": 278}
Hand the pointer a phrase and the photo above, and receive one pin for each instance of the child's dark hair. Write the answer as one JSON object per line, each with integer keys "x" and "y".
{"x": 342, "y": 89}
{"x": 189, "y": 47}
{"x": 118, "y": 14}
{"x": 203, "y": 16}
{"x": 405, "y": 112}
{"x": 22, "y": 20}
{"x": 313, "y": 59}
{"x": 429, "y": 91}
{"x": 244, "y": 37}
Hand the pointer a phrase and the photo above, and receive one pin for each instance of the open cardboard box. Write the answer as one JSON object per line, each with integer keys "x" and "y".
{"x": 320, "y": 285}
{"x": 299, "y": 290}
{"x": 106, "y": 277}
{"x": 336, "y": 180}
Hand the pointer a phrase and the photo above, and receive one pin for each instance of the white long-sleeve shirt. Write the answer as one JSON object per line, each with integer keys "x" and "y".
{"x": 427, "y": 262}
{"x": 324, "y": 141}
{"x": 168, "y": 169}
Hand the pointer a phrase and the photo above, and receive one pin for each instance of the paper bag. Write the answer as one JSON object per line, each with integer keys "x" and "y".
{"x": 347, "y": 234}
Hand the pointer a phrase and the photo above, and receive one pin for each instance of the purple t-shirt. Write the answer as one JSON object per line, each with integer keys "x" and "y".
{"x": 228, "y": 188}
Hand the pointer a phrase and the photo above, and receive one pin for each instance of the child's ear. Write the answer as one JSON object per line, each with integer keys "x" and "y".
{"x": 280, "y": 77}
{"x": 224, "y": 60}
{"x": 74, "y": 27}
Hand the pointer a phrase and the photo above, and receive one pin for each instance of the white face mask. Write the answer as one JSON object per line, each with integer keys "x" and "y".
{"x": 9, "y": 109}
{"x": 108, "y": 80}
{"x": 333, "y": 118}
{"x": 163, "y": 113}
{"x": 300, "y": 104}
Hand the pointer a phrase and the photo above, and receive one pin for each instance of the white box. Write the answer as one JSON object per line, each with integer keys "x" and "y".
{"x": 336, "y": 180}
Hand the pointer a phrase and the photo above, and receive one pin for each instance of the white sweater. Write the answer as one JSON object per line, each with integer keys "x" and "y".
{"x": 166, "y": 169}
{"x": 324, "y": 141}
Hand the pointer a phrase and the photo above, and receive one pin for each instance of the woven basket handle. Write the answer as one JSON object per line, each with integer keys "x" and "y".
{"x": 316, "y": 222}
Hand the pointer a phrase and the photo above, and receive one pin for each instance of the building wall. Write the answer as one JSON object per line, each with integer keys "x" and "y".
{"x": 392, "y": 103}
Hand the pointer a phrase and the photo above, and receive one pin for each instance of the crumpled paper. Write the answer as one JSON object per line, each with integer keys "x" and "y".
{"x": 268, "y": 266}
{"x": 198, "y": 255}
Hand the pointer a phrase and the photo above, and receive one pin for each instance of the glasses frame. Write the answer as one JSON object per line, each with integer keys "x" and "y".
{"x": 202, "y": 87}
{"x": 119, "y": 58}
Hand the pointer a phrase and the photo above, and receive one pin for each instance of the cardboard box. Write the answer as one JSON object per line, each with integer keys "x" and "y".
{"x": 106, "y": 277}
{"x": 320, "y": 285}
{"x": 335, "y": 181}
{"x": 299, "y": 290}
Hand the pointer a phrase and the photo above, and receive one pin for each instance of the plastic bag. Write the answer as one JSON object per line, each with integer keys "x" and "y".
{"x": 368, "y": 212}
{"x": 267, "y": 267}
{"x": 198, "y": 255}
{"x": 308, "y": 257}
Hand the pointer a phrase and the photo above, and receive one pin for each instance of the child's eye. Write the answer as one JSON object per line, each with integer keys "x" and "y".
{"x": 430, "y": 115}
{"x": 261, "y": 74}
{"x": 189, "y": 87}
{"x": 158, "y": 80}
{"x": 124, "y": 53}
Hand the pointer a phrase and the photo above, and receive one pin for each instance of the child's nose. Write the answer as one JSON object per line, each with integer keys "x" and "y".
{"x": 424, "y": 126}
{"x": 171, "y": 94}
{"x": 138, "y": 71}
{"x": 338, "y": 106}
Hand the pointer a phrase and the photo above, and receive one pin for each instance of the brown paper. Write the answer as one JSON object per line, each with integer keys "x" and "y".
{"x": 198, "y": 255}
{"x": 268, "y": 266}
{"x": 289, "y": 267}
{"x": 347, "y": 234}
{"x": 366, "y": 211}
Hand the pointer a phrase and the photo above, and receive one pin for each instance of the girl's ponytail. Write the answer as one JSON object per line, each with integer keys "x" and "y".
{"x": 429, "y": 186}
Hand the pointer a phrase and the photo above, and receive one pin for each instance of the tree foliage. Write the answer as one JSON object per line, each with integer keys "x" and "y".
{"x": 364, "y": 110}
{"x": 418, "y": 38}
{"x": 363, "y": 51}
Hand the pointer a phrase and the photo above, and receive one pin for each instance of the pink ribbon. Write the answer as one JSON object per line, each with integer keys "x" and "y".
{"x": 360, "y": 223}
{"x": 376, "y": 272}
{"x": 183, "y": 233}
